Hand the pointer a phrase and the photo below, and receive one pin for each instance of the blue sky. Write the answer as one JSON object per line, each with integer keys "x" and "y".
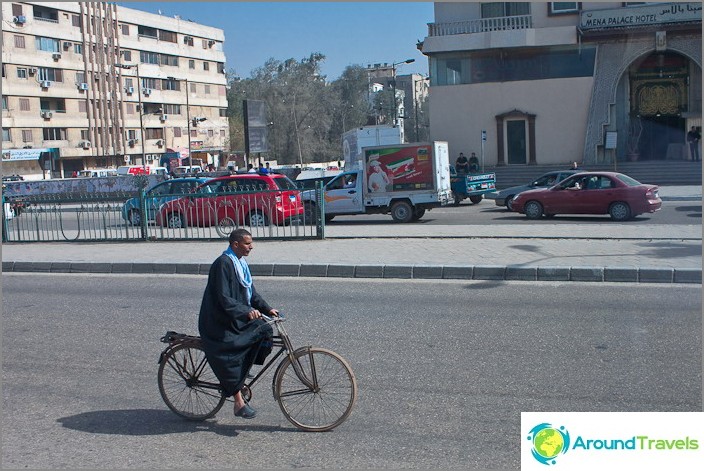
{"x": 346, "y": 33}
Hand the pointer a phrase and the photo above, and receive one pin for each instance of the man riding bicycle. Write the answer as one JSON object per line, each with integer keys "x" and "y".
{"x": 233, "y": 334}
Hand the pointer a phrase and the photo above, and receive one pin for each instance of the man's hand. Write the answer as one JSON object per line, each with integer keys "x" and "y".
{"x": 254, "y": 314}
{"x": 274, "y": 313}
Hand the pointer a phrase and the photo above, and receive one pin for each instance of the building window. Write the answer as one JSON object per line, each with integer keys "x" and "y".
{"x": 154, "y": 133}
{"x": 167, "y": 36}
{"x": 501, "y": 9}
{"x": 147, "y": 31}
{"x": 78, "y": 48}
{"x": 125, "y": 29}
{"x": 206, "y": 89}
{"x": 26, "y": 135}
{"x": 193, "y": 87}
{"x": 54, "y": 134}
{"x": 206, "y": 66}
{"x": 174, "y": 85}
{"x": 563, "y": 8}
{"x": 129, "y": 108}
{"x": 46, "y": 14}
{"x": 82, "y": 106}
{"x": 188, "y": 40}
{"x": 131, "y": 134}
{"x": 148, "y": 57}
{"x": 51, "y": 74}
{"x": 205, "y": 43}
{"x": 16, "y": 10}
{"x": 80, "y": 77}
{"x": 47, "y": 44}
{"x": 128, "y": 83}
{"x": 223, "y": 112}
{"x": 221, "y": 68}
{"x": 222, "y": 133}
{"x": 172, "y": 109}
{"x": 4, "y": 102}
{"x": 194, "y": 133}
{"x": 149, "y": 83}
{"x": 210, "y": 133}
{"x": 177, "y": 132}
{"x": 21, "y": 72}
{"x": 191, "y": 64}
{"x": 19, "y": 41}
{"x": 167, "y": 59}
{"x": 127, "y": 56}
{"x": 76, "y": 20}
{"x": 24, "y": 104}
{"x": 6, "y": 134}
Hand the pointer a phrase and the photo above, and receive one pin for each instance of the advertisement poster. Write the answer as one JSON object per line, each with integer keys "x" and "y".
{"x": 399, "y": 169}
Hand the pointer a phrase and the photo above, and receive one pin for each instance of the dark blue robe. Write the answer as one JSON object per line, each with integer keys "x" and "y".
{"x": 230, "y": 340}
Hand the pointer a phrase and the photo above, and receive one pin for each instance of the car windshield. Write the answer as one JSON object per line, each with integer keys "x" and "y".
{"x": 628, "y": 180}
{"x": 285, "y": 183}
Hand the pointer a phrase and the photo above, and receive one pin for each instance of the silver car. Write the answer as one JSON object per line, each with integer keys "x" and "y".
{"x": 504, "y": 197}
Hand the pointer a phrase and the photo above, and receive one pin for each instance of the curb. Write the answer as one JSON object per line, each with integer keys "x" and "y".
{"x": 424, "y": 272}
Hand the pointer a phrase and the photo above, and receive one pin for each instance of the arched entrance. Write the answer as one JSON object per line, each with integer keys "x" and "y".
{"x": 659, "y": 87}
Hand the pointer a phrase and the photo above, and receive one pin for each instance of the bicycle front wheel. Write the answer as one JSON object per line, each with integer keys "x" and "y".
{"x": 188, "y": 385}
{"x": 328, "y": 403}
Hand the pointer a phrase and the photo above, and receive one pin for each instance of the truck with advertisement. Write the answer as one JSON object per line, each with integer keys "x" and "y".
{"x": 404, "y": 180}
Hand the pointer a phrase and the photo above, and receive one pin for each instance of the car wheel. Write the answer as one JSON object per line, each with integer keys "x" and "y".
{"x": 135, "y": 217}
{"x": 175, "y": 221}
{"x": 401, "y": 211}
{"x": 533, "y": 210}
{"x": 225, "y": 226}
{"x": 476, "y": 199}
{"x": 257, "y": 218}
{"x": 509, "y": 202}
{"x": 417, "y": 214}
{"x": 620, "y": 211}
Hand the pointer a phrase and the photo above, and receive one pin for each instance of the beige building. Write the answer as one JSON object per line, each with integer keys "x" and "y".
{"x": 92, "y": 85}
{"x": 556, "y": 82}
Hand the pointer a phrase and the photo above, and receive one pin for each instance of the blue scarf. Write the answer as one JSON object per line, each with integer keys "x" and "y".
{"x": 242, "y": 270}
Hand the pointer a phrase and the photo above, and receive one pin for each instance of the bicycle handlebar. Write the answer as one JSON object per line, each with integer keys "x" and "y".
{"x": 273, "y": 320}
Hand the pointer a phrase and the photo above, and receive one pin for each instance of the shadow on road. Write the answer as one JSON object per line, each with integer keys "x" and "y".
{"x": 137, "y": 422}
{"x": 694, "y": 211}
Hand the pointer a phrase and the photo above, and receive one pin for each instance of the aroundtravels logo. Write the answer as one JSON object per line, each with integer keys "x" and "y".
{"x": 548, "y": 442}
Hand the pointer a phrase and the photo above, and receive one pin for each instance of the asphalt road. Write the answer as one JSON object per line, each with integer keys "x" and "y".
{"x": 444, "y": 369}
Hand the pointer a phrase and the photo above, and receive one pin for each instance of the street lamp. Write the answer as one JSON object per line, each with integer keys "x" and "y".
{"x": 393, "y": 82}
{"x": 139, "y": 96}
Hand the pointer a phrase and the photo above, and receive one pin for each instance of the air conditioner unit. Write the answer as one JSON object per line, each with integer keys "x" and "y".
{"x": 129, "y": 90}
{"x": 147, "y": 91}
{"x": 84, "y": 144}
{"x": 20, "y": 20}
{"x": 46, "y": 114}
{"x": 211, "y": 42}
{"x": 56, "y": 56}
{"x": 163, "y": 117}
{"x": 160, "y": 143}
{"x": 83, "y": 86}
{"x": 32, "y": 70}
{"x": 46, "y": 83}
{"x": 67, "y": 45}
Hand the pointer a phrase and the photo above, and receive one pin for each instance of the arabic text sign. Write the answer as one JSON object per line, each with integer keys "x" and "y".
{"x": 23, "y": 154}
{"x": 641, "y": 15}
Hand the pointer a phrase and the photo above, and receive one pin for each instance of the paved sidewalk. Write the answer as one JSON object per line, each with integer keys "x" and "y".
{"x": 543, "y": 252}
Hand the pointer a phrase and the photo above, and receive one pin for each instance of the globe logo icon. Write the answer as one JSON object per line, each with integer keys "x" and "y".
{"x": 548, "y": 442}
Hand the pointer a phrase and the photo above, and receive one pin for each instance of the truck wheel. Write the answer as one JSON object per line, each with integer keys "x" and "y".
{"x": 401, "y": 211}
{"x": 475, "y": 199}
{"x": 418, "y": 213}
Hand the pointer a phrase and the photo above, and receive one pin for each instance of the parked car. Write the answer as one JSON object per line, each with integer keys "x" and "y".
{"x": 133, "y": 170}
{"x": 97, "y": 172}
{"x": 157, "y": 195}
{"x": 504, "y": 197}
{"x": 611, "y": 193}
{"x": 233, "y": 200}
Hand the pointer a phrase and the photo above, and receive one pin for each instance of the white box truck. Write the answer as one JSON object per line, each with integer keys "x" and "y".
{"x": 403, "y": 180}
{"x": 355, "y": 140}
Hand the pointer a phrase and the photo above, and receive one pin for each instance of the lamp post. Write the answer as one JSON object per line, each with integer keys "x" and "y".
{"x": 141, "y": 110}
{"x": 393, "y": 82}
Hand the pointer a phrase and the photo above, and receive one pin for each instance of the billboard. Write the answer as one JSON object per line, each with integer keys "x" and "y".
{"x": 255, "y": 126}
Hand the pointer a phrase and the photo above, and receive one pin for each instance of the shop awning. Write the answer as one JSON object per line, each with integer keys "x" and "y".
{"x": 26, "y": 154}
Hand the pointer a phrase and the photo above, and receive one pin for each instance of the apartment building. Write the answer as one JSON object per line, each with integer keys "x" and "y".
{"x": 93, "y": 84}
{"x": 556, "y": 82}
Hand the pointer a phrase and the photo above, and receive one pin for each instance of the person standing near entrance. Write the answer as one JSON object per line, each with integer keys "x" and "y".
{"x": 693, "y": 138}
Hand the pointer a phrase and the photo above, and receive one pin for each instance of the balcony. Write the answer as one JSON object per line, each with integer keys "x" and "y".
{"x": 483, "y": 25}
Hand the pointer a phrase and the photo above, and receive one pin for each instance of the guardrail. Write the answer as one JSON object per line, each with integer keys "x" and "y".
{"x": 267, "y": 214}
{"x": 481, "y": 25}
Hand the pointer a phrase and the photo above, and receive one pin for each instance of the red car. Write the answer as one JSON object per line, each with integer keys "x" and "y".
{"x": 611, "y": 193}
{"x": 234, "y": 200}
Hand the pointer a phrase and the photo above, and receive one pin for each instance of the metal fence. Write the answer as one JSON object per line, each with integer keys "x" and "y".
{"x": 267, "y": 214}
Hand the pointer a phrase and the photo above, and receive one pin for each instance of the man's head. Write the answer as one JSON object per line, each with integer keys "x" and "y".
{"x": 241, "y": 242}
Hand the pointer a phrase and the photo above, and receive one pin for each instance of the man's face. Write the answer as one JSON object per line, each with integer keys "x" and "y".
{"x": 243, "y": 247}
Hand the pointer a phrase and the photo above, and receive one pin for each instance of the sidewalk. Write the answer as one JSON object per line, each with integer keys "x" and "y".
{"x": 538, "y": 252}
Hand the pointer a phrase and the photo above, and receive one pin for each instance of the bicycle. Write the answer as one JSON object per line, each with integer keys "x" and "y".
{"x": 314, "y": 387}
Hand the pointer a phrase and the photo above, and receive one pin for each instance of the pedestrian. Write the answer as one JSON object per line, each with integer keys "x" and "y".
{"x": 462, "y": 164}
{"x": 693, "y": 138}
{"x": 574, "y": 166}
{"x": 251, "y": 169}
{"x": 233, "y": 334}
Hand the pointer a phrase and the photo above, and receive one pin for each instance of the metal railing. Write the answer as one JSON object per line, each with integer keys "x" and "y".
{"x": 267, "y": 214}
{"x": 481, "y": 26}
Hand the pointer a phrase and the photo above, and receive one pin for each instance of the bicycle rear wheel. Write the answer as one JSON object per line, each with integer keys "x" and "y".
{"x": 188, "y": 385}
{"x": 328, "y": 404}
